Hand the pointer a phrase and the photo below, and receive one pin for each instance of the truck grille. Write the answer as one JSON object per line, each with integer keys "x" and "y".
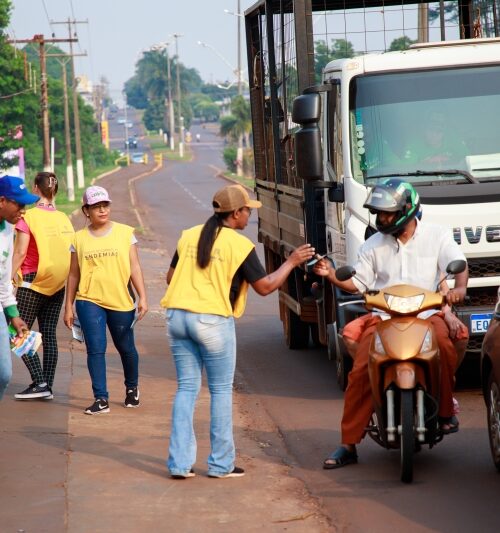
{"x": 481, "y": 296}
{"x": 484, "y": 267}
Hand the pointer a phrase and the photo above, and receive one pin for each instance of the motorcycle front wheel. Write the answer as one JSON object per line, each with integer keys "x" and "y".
{"x": 407, "y": 436}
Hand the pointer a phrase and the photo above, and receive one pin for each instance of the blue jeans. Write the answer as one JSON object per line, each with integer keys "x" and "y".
{"x": 197, "y": 341}
{"x": 5, "y": 357}
{"x": 93, "y": 319}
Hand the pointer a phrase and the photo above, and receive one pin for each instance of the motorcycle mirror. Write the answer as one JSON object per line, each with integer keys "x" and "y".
{"x": 345, "y": 273}
{"x": 456, "y": 267}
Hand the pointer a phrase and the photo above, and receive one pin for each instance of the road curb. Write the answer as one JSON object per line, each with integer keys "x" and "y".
{"x": 220, "y": 174}
{"x": 133, "y": 192}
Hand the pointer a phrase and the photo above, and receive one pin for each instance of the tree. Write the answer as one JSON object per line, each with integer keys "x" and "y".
{"x": 204, "y": 107}
{"x": 401, "y": 43}
{"x": 323, "y": 54}
{"x": 239, "y": 122}
{"x": 148, "y": 88}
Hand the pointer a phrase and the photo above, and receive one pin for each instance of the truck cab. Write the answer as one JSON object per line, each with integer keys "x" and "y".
{"x": 428, "y": 115}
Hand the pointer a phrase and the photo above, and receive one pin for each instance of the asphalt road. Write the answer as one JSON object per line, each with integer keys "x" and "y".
{"x": 455, "y": 486}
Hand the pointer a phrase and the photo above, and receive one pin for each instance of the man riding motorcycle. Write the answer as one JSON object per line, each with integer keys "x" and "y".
{"x": 404, "y": 251}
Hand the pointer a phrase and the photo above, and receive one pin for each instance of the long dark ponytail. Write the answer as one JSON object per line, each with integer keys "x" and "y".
{"x": 208, "y": 235}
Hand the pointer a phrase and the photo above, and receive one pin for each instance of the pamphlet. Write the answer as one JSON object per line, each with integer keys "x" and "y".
{"x": 77, "y": 330}
{"x": 26, "y": 344}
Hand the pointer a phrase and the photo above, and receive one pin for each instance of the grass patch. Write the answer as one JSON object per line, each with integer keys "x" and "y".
{"x": 244, "y": 180}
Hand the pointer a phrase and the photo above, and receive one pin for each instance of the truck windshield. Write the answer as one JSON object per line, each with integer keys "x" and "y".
{"x": 421, "y": 123}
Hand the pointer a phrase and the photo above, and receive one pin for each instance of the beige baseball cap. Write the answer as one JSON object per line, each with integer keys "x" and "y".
{"x": 232, "y": 198}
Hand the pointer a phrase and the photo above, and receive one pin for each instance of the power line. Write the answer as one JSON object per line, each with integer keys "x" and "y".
{"x": 48, "y": 18}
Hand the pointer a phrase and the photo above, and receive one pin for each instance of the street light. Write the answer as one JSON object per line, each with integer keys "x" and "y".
{"x": 220, "y": 56}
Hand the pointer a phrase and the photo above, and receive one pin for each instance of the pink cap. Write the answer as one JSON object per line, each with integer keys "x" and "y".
{"x": 94, "y": 195}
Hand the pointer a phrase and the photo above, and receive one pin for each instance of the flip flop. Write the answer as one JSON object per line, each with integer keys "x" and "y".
{"x": 451, "y": 422}
{"x": 342, "y": 456}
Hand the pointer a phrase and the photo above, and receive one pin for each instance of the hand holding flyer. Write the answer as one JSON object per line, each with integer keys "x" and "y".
{"x": 27, "y": 344}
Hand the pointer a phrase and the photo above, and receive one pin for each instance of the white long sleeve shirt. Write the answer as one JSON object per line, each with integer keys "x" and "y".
{"x": 7, "y": 297}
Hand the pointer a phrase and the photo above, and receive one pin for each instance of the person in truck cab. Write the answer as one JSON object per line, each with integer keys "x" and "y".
{"x": 438, "y": 147}
{"x": 405, "y": 250}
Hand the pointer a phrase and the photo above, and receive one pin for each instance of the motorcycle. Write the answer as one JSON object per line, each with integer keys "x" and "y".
{"x": 404, "y": 368}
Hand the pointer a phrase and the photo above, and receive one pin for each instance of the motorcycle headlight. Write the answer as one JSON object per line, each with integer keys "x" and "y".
{"x": 379, "y": 347}
{"x": 427, "y": 344}
{"x": 401, "y": 304}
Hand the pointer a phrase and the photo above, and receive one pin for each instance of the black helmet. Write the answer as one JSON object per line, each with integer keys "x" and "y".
{"x": 393, "y": 196}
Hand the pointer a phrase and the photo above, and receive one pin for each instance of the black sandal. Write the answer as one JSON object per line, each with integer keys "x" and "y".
{"x": 342, "y": 456}
{"x": 451, "y": 422}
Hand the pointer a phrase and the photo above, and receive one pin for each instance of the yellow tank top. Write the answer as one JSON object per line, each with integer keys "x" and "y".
{"x": 207, "y": 290}
{"x": 53, "y": 233}
{"x": 105, "y": 267}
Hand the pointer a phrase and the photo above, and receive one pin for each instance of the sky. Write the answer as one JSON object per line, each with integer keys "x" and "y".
{"x": 119, "y": 30}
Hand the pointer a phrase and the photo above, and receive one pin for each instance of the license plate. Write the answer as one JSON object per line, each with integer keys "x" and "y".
{"x": 480, "y": 323}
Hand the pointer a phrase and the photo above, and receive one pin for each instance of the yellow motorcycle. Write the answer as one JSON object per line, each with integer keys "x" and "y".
{"x": 404, "y": 367}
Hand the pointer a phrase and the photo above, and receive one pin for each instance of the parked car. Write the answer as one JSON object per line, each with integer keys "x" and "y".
{"x": 490, "y": 382}
{"x": 131, "y": 142}
{"x": 137, "y": 157}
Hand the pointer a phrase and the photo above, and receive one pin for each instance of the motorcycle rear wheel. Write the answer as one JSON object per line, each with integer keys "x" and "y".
{"x": 407, "y": 439}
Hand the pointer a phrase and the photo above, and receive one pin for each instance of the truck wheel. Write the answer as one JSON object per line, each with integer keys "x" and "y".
{"x": 343, "y": 365}
{"x": 407, "y": 436}
{"x": 296, "y": 332}
{"x": 332, "y": 341}
{"x": 315, "y": 335}
{"x": 493, "y": 401}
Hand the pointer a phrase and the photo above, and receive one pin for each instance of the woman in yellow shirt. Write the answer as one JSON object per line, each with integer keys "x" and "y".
{"x": 41, "y": 251}
{"x": 208, "y": 283}
{"x": 104, "y": 261}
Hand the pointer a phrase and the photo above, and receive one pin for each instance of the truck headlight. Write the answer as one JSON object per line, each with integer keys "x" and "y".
{"x": 408, "y": 304}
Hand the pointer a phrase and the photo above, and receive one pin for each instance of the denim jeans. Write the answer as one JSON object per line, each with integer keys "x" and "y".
{"x": 93, "y": 319}
{"x": 5, "y": 357}
{"x": 197, "y": 341}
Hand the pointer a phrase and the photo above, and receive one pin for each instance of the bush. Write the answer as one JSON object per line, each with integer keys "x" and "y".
{"x": 229, "y": 155}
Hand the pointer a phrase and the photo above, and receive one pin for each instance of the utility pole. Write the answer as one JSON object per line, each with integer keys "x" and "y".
{"x": 179, "y": 123}
{"x": 239, "y": 153}
{"x": 70, "y": 180}
{"x": 44, "y": 94}
{"x": 171, "y": 121}
{"x": 63, "y": 60}
{"x": 76, "y": 112}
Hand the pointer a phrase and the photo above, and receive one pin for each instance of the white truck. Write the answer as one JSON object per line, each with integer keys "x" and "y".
{"x": 429, "y": 115}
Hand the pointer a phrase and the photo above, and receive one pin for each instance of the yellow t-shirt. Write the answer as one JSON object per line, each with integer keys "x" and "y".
{"x": 208, "y": 290}
{"x": 53, "y": 234}
{"x": 105, "y": 267}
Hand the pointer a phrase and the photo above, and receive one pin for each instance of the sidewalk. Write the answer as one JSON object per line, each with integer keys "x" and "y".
{"x": 63, "y": 471}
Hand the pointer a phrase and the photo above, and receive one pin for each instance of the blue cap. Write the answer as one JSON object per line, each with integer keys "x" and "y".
{"x": 14, "y": 189}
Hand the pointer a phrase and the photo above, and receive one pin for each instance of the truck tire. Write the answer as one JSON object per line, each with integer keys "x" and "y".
{"x": 315, "y": 335}
{"x": 343, "y": 365}
{"x": 296, "y": 332}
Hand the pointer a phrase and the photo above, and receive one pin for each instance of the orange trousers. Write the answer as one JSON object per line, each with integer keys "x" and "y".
{"x": 358, "y": 406}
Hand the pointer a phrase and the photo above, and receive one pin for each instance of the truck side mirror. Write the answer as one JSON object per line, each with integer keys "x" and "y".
{"x": 308, "y": 153}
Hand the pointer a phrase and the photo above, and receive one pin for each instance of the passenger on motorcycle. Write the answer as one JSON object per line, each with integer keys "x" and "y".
{"x": 404, "y": 251}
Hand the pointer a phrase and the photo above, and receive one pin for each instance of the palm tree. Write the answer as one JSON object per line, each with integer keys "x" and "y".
{"x": 239, "y": 122}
